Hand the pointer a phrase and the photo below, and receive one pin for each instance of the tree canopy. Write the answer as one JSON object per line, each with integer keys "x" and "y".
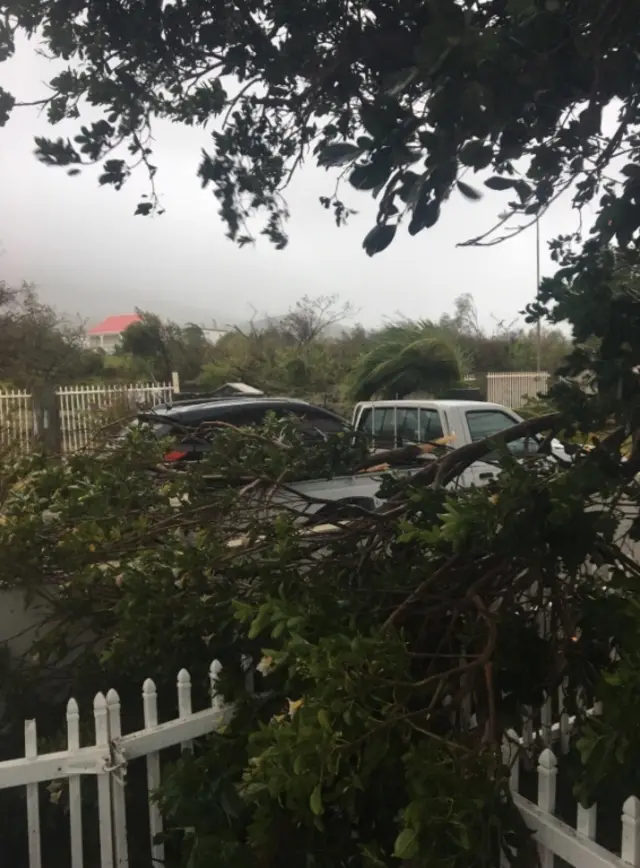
{"x": 308, "y": 353}
{"x": 164, "y": 347}
{"x": 37, "y": 345}
{"x": 408, "y": 98}
{"x": 405, "y": 358}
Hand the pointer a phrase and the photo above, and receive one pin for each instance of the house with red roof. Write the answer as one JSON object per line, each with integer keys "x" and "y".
{"x": 106, "y": 335}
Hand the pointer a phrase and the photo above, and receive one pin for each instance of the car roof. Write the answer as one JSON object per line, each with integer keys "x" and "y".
{"x": 241, "y": 401}
{"x": 444, "y": 404}
{"x": 184, "y": 411}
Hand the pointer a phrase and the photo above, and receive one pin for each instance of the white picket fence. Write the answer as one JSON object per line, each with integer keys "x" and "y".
{"x": 108, "y": 757}
{"x": 16, "y": 419}
{"x": 575, "y": 845}
{"x": 515, "y": 389}
{"x": 81, "y": 407}
{"x": 107, "y": 760}
{"x": 556, "y": 838}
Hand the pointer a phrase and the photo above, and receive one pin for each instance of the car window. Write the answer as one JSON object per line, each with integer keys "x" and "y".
{"x": 378, "y": 423}
{"x": 385, "y": 429}
{"x": 430, "y": 425}
{"x": 248, "y": 416}
{"x": 407, "y": 425}
{"x": 411, "y": 424}
{"x": 313, "y": 419}
{"x": 488, "y": 423}
{"x": 316, "y": 417}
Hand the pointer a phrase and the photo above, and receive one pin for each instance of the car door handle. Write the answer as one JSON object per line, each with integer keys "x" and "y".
{"x": 489, "y": 474}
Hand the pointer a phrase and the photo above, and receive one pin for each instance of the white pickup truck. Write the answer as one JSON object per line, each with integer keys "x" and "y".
{"x": 391, "y": 424}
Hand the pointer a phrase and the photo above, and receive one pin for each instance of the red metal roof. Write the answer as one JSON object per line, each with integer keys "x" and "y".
{"x": 114, "y": 325}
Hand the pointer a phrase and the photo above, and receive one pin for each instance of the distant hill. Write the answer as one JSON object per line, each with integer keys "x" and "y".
{"x": 91, "y": 308}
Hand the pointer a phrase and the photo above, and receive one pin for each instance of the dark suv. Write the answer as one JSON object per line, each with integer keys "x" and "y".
{"x": 182, "y": 419}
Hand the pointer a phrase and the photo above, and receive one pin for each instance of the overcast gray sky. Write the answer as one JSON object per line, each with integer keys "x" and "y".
{"x": 88, "y": 254}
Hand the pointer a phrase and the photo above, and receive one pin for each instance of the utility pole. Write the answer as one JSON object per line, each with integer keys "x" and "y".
{"x": 538, "y": 324}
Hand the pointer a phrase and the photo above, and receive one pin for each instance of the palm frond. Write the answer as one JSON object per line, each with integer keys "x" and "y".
{"x": 409, "y": 357}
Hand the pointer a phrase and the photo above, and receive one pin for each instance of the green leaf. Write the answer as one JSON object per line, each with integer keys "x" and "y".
{"x": 476, "y": 154}
{"x": 7, "y": 102}
{"x": 585, "y": 747}
{"x": 631, "y": 170}
{"x": 523, "y": 189}
{"x": 296, "y": 621}
{"x": 425, "y": 214}
{"x": 315, "y": 801}
{"x": 379, "y": 238}
{"x": 278, "y": 630}
{"x": 369, "y": 176}
{"x": 497, "y": 182}
{"x": 465, "y": 841}
{"x": 323, "y": 720}
{"x": 338, "y": 154}
{"x": 468, "y": 192}
{"x": 406, "y": 845}
{"x": 143, "y": 208}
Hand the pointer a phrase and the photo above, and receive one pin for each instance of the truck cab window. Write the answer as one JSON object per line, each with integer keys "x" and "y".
{"x": 407, "y": 425}
{"x": 488, "y": 423}
{"x": 430, "y": 425}
{"x": 385, "y": 427}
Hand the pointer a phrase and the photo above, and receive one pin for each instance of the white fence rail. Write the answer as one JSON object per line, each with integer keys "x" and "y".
{"x": 515, "y": 389}
{"x": 81, "y": 409}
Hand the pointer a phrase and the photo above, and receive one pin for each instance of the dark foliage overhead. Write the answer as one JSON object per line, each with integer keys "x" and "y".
{"x": 409, "y": 98}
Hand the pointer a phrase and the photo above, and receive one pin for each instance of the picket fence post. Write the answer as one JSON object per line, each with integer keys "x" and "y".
{"x": 33, "y": 798}
{"x": 630, "y": 852}
{"x": 75, "y": 793}
{"x": 587, "y": 821}
{"x": 100, "y": 714}
{"x": 547, "y": 775}
{"x": 156, "y": 828}
{"x": 184, "y": 702}
{"x": 117, "y": 778}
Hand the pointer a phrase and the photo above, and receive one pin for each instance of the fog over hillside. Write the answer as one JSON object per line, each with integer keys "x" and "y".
{"x": 91, "y": 307}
